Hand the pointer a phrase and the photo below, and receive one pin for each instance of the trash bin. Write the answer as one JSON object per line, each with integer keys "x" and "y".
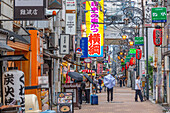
{"x": 10, "y": 110}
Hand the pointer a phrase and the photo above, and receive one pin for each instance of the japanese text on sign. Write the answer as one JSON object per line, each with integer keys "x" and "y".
{"x": 94, "y": 29}
{"x": 28, "y": 12}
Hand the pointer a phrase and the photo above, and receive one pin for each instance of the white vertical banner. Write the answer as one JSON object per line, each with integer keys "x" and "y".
{"x": 64, "y": 44}
{"x": 14, "y": 88}
{"x": 71, "y": 23}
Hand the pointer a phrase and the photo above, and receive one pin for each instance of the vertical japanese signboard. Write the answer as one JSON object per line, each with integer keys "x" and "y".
{"x": 159, "y": 15}
{"x": 64, "y": 44}
{"x": 99, "y": 68}
{"x": 14, "y": 88}
{"x": 84, "y": 47}
{"x": 29, "y": 10}
{"x": 71, "y": 23}
{"x": 95, "y": 31}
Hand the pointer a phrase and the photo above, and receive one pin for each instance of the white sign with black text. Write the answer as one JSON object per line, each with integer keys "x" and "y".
{"x": 64, "y": 44}
{"x": 29, "y": 3}
{"x": 71, "y": 5}
{"x": 71, "y": 23}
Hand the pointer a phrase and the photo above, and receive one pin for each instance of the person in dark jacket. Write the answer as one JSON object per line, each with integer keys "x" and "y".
{"x": 100, "y": 83}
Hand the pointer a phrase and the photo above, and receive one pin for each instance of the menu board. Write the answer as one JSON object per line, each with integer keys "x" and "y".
{"x": 65, "y": 102}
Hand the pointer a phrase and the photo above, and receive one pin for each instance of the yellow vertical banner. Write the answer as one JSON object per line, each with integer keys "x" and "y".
{"x": 95, "y": 27}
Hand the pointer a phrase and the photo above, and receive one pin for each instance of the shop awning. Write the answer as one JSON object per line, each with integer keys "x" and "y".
{"x": 4, "y": 47}
{"x": 13, "y": 58}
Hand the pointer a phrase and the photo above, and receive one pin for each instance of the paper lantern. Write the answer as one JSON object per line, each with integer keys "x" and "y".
{"x": 138, "y": 54}
{"x": 157, "y": 37}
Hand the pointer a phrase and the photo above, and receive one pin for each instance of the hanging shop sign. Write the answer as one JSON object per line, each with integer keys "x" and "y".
{"x": 87, "y": 60}
{"x": 159, "y": 15}
{"x": 54, "y": 4}
{"x": 14, "y": 88}
{"x": 71, "y": 23}
{"x": 138, "y": 54}
{"x": 95, "y": 31}
{"x": 78, "y": 52}
{"x": 139, "y": 41}
{"x": 157, "y": 37}
{"x": 105, "y": 61}
{"x": 99, "y": 68}
{"x": 29, "y": 10}
{"x": 132, "y": 51}
{"x": 71, "y": 5}
{"x": 84, "y": 47}
{"x": 64, "y": 44}
{"x": 65, "y": 102}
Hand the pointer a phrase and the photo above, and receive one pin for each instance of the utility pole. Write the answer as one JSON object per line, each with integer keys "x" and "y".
{"x": 147, "y": 74}
{"x": 79, "y": 22}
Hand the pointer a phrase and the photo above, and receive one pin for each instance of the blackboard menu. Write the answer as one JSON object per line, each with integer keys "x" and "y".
{"x": 65, "y": 102}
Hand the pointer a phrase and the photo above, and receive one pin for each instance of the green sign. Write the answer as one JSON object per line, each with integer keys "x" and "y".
{"x": 139, "y": 41}
{"x": 127, "y": 60}
{"x": 159, "y": 15}
{"x": 129, "y": 56}
{"x": 132, "y": 51}
{"x": 123, "y": 63}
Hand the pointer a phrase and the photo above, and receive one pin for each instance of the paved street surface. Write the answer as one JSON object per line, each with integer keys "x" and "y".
{"x": 124, "y": 102}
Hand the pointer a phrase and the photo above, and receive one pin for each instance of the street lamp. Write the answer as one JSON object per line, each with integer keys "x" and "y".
{"x": 118, "y": 57}
{"x": 131, "y": 43}
{"x": 121, "y": 53}
{"x": 122, "y": 60}
{"x": 124, "y": 37}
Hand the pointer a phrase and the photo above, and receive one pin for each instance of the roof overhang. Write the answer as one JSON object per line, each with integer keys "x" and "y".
{"x": 13, "y": 58}
{"x": 4, "y": 47}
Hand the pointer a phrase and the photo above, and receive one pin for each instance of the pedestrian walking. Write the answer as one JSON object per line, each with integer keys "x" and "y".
{"x": 100, "y": 84}
{"x": 109, "y": 82}
{"x": 138, "y": 89}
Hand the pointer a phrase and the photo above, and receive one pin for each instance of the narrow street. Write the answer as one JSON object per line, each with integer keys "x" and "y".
{"x": 123, "y": 103}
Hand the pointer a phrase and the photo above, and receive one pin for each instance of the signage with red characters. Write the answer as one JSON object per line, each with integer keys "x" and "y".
{"x": 157, "y": 37}
{"x": 138, "y": 54}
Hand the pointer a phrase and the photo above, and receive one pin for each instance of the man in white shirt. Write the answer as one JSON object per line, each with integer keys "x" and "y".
{"x": 138, "y": 89}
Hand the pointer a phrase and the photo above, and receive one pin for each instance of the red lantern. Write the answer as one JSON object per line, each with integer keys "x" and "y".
{"x": 132, "y": 61}
{"x": 138, "y": 54}
{"x": 123, "y": 68}
{"x": 157, "y": 37}
{"x": 126, "y": 67}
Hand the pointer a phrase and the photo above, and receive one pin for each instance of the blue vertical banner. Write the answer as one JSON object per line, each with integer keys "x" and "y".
{"x": 84, "y": 47}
